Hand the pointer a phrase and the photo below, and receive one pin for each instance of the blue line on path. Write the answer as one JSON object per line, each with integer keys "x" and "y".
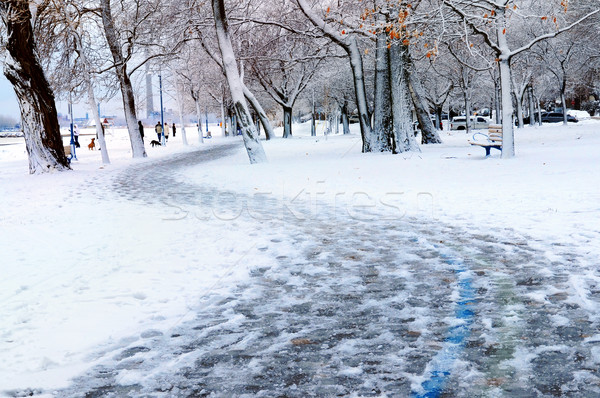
{"x": 441, "y": 364}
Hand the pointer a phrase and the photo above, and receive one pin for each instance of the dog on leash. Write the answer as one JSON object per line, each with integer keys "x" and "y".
{"x": 92, "y": 144}
{"x": 155, "y": 143}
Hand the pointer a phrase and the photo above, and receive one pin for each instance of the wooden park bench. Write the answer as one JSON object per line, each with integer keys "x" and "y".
{"x": 493, "y": 139}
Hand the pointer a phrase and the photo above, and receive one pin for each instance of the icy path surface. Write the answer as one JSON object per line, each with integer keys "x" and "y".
{"x": 364, "y": 307}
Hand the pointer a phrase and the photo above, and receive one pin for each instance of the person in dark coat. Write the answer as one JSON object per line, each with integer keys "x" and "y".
{"x": 141, "y": 128}
{"x": 158, "y": 128}
{"x": 174, "y": 130}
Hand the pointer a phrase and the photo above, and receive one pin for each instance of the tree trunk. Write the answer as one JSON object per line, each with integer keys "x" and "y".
{"x": 497, "y": 95}
{"x": 260, "y": 112}
{"x": 531, "y": 106}
{"x": 199, "y": 116}
{"x": 287, "y": 122}
{"x": 137, "y": 146}
{"x": 519, "y": 102}
{"x": 403, "y": 132}
{"x": 519, "y": 94}
{"x": 223, "y": 116}
{"x": 181, "y": 119}
{"x": 439, "y": 111}
{"x": 356, "y": 64}
{"x": 508, "y": 140}
{"x": 383, "y": 130}
{"x": 467, "y": 98}
{"x": 313, "y": 127}
{"x": 99, "y": 130}
{"x": 345, "y": 121}
{"x": 563, "y": 101}
{"x": 36, "y": 100}
{"x": 254, "y": 148}
{"x": 429, "y": 134}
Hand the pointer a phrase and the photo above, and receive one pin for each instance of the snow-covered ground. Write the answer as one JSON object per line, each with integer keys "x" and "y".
{"x": 87, "y": 264}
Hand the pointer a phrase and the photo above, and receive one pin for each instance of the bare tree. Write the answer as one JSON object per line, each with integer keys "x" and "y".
{"x": 120, "y": 65}
{"x": 254, "y": 148}
{"x": 284, "y": 76}
{"x": 65, "y": 22}
{"x": 494, "y": 21}
{"x": 564, "y": 57}
{"x": 249, "y": 95}
{"x": 349, "y": 44}
{"x": 36, "y": 99}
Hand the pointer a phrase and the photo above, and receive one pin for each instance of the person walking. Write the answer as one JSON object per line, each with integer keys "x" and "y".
{"x": 174, "y": 130}
{"x": 141, "y": 128}
{"x": 166, "y": 132}
{"x": 76, "y": 135}
{"x": 159, "y": 130}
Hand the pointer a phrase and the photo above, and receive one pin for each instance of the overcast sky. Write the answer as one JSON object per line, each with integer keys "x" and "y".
{"x": 9, "y": 106}
{"x": 8, "y": 101}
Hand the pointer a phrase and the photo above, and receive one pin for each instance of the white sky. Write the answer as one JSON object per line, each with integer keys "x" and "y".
{"x": 10, "y": 107}
{"x": 8, "y": 101}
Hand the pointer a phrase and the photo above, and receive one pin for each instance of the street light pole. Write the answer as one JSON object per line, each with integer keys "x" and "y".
{"x": 162, "y": 120}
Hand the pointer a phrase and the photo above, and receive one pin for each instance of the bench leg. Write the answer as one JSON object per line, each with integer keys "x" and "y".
{"x": 487, "y": 151}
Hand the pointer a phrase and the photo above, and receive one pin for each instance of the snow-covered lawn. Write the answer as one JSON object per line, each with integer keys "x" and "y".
{"x": 84, "y": 268}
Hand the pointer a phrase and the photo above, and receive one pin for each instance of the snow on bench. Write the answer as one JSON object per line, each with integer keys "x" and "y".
{"x": 493, "y": 139}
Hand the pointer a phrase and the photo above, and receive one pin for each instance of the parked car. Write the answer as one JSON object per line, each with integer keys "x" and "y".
{"x": 526, "y": 119}
{"x": 477, "y": 122}
{"x": 557, "y": 117}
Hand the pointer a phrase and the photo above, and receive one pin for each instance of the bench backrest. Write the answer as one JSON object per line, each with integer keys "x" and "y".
{"x": 495, "y": 133}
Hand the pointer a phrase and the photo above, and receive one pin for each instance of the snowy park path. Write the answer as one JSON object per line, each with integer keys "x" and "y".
{"x": 365, "y": 307}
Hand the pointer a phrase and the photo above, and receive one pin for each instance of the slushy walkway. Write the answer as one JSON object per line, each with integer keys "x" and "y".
{"x": 371, "y": 307}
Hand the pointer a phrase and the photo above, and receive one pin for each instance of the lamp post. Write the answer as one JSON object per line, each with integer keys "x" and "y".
{"x": 162, "y": 120}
